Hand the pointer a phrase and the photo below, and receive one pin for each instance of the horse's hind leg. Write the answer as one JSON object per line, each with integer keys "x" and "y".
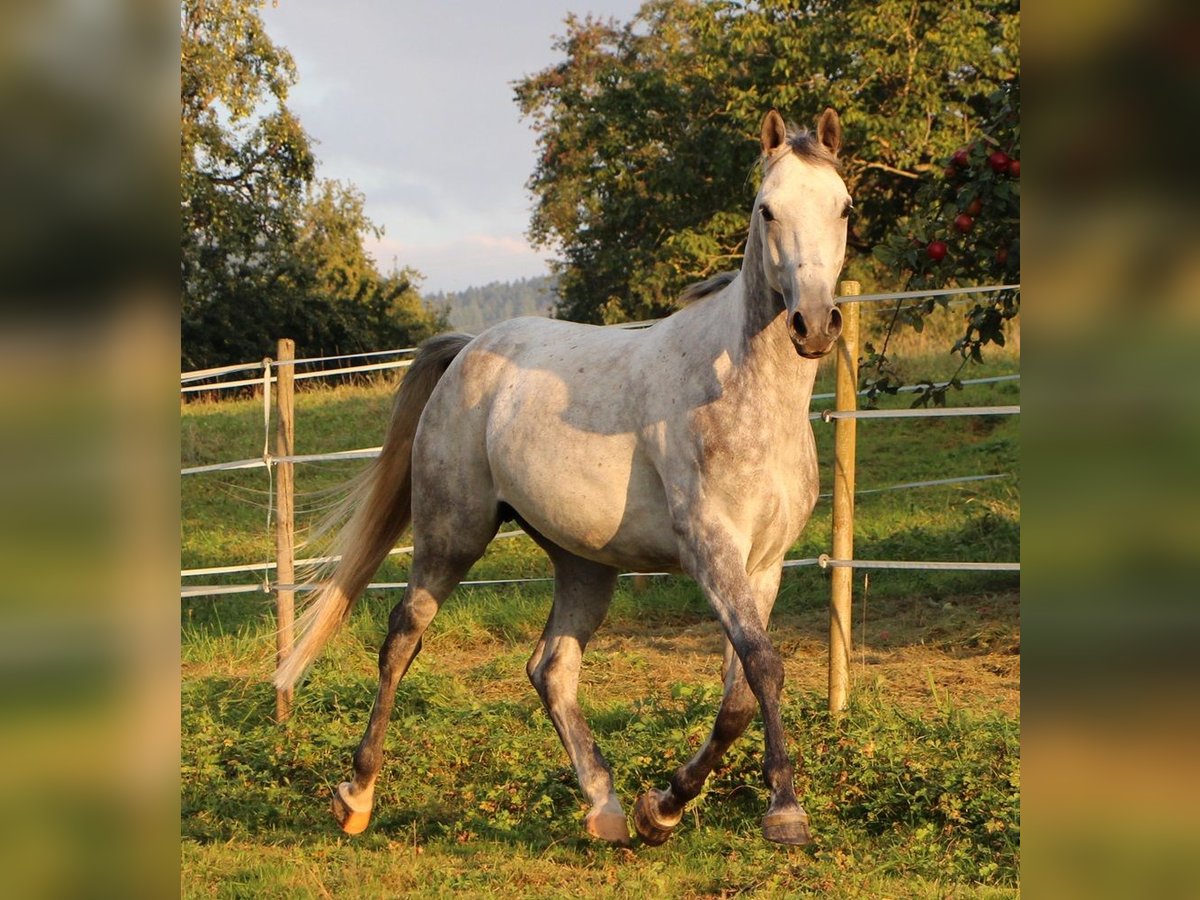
{"x": 435, "y": 573}
{"x": 582, "y": 592}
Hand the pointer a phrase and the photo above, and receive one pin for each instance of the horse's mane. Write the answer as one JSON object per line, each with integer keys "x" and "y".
{"x": 805, "y": 145}
{"x": 702, "y": 289}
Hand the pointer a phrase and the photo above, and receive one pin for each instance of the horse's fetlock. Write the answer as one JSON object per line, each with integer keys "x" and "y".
{"x": 367, "y": 760}
{"x": 684, "y": 787}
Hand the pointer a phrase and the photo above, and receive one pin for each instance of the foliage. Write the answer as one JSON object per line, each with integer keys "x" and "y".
{"x": 476, "y": 308}
{"x": 267, "y": 249}
{"x": 647, "y": 129}
{"x": 963, "y": 228}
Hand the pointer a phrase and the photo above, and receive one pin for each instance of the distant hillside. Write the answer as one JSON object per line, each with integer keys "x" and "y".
{"x": 478, "y": 307}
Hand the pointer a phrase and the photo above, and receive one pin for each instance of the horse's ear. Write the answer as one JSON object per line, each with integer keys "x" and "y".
{"x": 774, "y": 132}
{"x": 829, "y": 130}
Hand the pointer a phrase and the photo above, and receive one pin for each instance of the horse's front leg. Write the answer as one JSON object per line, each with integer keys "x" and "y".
{"x": 718, "y": 567}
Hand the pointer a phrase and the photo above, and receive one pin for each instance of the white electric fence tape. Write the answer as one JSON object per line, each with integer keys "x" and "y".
{"x": 940, "y": 292}
{"x": 824, "y": 561}
{"x": 829, "y": 415}
{"x": 201, "y": 374}
{"x": 913, "y": 388}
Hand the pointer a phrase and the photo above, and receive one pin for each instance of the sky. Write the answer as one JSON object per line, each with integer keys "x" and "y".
{"x": 413, "y": 103}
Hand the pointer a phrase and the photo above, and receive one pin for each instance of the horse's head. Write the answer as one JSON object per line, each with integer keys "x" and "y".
{"x": 801, "y": 215}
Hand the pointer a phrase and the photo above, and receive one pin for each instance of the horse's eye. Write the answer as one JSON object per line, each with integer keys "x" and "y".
{"x": 846, "y": 210}
{"x": 767, "y": 215}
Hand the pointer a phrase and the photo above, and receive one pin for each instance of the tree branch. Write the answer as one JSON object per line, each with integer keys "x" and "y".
{"x": 894, "y": 171}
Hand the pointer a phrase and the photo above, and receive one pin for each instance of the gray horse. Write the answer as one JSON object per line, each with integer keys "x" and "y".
{"x": 685, "y": 446}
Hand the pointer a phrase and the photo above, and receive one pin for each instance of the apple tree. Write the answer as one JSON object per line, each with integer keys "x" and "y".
{"x": 647, "y": 129}
{"x": 963, "y": 229}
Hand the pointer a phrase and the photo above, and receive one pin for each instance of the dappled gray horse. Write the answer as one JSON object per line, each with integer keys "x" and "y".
{"x": 685, "y": 446}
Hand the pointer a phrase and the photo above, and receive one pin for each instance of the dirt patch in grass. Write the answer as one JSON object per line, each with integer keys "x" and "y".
{"x": 918, "y": 653}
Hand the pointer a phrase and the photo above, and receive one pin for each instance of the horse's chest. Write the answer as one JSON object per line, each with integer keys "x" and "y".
{"x": 766, "y": 484}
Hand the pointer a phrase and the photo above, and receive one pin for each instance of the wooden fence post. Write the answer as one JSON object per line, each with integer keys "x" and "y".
{"x": 285, "y": 611}
{"x": 840, "y": 611}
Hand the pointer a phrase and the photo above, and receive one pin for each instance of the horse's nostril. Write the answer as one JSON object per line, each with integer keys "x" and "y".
{"x": 835, "y": 321}
{"x": 798, "y": 325}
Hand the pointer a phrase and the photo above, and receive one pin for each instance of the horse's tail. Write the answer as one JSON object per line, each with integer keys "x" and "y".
{"x": 377, "y": 509}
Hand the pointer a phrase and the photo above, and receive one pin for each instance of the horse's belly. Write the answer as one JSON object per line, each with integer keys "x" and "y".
{"x": 588, "y": 493}
{"x": 562, "y": 439}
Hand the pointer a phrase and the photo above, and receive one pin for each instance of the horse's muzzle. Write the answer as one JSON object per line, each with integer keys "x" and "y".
{"x": 813, "y": 343}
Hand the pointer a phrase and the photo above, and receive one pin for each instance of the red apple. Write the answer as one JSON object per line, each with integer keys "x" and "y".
{"x": 963, "y": 223}
{"x": 960, "y": 158}
{"x": 1002, "y": 255}
{"x": 975, "y": 207}
{"x": 1014, "y": 168}
{"x": 998, "y": 161}
{"x": 936, "y": 251}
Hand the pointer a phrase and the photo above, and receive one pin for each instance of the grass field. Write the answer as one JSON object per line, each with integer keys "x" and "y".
{"x": 913, "y": 793}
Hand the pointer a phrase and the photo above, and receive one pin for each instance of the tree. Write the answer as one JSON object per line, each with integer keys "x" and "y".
{"x": 244, "y": 159}
{"x": 962, "y": 228}
{"x": 646, "y": 129}
{"x": 269, "y": 250}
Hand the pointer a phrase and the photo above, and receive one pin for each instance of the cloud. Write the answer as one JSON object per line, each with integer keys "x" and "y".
{"x": 458, "y": 263}
{"x": 413, "y": 103}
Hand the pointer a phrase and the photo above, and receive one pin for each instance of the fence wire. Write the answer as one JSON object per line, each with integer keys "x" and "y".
{"x": 824, "y": 561}
{"x": 201, "y": 374}
{"x": 265, "y": 567}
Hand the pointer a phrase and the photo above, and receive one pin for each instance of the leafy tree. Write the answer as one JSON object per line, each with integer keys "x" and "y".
{"x": 963, "y": 228}
{"x": 636, "y": 180}
{"x": 647, "y": 129}
{"x": 268, "y": 250}
{"x": 244, "y": 160}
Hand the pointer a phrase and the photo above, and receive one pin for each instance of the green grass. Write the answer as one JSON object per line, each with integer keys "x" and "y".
{"x": 478, "y": 796}
{"x": 913, "y": 793}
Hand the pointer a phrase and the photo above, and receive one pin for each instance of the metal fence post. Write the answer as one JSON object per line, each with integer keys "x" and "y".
{"x": 843, "y": 502}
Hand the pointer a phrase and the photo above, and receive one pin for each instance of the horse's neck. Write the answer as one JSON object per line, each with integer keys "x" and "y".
{"x": 762, "y": 309}
{"x": 764, "y": 351}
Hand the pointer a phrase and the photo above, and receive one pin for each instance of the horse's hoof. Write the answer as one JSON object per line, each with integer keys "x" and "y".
{"x": 787, "y": 827}
{"x": 608, "y": 825}
{"x": 349, "y": 819}
{"x": 653, "y": 827}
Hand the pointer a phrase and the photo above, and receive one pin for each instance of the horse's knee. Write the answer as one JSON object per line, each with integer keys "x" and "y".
{"x": 540, "y": 670}
{"x": 764, "y": 669}
{"x": 413, "y": 614}
{"x": 533, "y": 669}
{"x": 737, "y": 709}
{"x": 551, "y": 673}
